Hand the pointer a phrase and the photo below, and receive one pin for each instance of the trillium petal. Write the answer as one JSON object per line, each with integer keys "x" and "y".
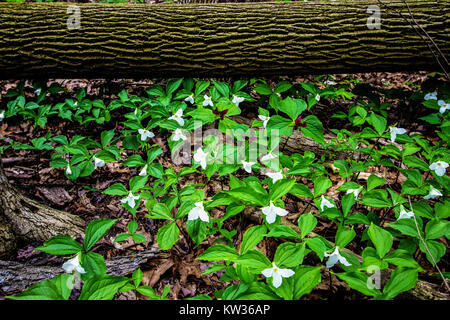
{"x": 267, "y": 272}
{"x": 193, "y": 213}
{"x": 276, "y": 279}
{"x": 286, "y": 273}
{"x": 280, "y": 211}
{"x": 332, "y": 260}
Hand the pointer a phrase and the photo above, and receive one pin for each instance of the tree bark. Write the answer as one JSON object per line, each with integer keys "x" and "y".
{"x": 23, "y": 220}
{"x": 231, "y": 39}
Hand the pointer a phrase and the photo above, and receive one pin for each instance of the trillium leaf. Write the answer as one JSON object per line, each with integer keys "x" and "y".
{"x": 102, "y": 287}
{"x": 61, "y": 245}
{"x": 313, "y": 129}
{"x": 282, "y": 231}
{"x": 252, "y": 237}
{"x": 289, "y": 254}
{"x": 161, "y": 211}
{"x": 321, "y": 185}
{"x": 344, "y": 236}
{"x": 219, "y": 252}
{"x": 374, "y": 181}
{"x": 401, "y": 280}
{"x": 93, "y": 263}
{"x": 280, "y": 188}
{"x": 381, "y": 239}
{"x": 306, "y": 223}
{"x": 358, "y": 281}
{"x": 96, "y": 230}
{"x": 116, "y": 189}
{"x": 305, "y": 279}
{"x": 57, "y": 288}
{"x": 167, "y": 236}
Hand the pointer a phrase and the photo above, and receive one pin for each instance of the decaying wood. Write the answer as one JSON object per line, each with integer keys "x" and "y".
{"x": 213, "y": 40}
{"x": 24, "y": 220}
{"x": 16, "y": 277}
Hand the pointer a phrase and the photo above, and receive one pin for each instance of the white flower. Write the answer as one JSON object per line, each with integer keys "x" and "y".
{"x": 264, "y": 118}
{"x": 277, "y": 274}
{"x": 354, "y": 191}
{"x": 443, "y": 106}
{"x": 178, "y": 117}
{"x": 98, "y": 163}
{"x": 68, "y": 170}
{"x": 200, "y": 157}
{"x": 329, "y": 82}
{"x": 433, "y": 194}
{"x": 247, "y": 166}
{"x": 275, "y": 176}
{"x": 73, "y": 264}
{"x": 207, "y": 101}
{"x": 143, "y": 171}
{"x": 198, "y": 212}
{"x": 431, "y": 96}
{"x": 130, "y": 199}
{"x": 37, "y": 92}
{"x": 190, "y": 99}
{"x": 75, "y": 103}
{"x": 2, "y": 115}
{"x": 325, "y": 203}
{"x": 395, "y": 131}
{"x": 145, "y": 134}
{"x": 272, "y": 212}
{"x": 335, "y": 257}
{"x": 404, "y": 214}
{"x": 317, "y": 97}
{"x": 178, "y": 134}
{"x": 236, "y": 100}
{"x": 439, "y": 167}
{"x": 268, "y": 157}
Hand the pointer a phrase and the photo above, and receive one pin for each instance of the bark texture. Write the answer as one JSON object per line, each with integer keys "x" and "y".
{"x": 23, "y": 220}
{"x": 16, "y": 277}
{"x": 231, "y": 39}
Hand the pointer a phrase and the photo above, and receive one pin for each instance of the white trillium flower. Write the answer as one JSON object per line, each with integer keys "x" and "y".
{"x": 329, "y": 82}
{"x": 178, "y": 134}
{"x": 444, "y": 106}
{"x": 395, "y": 131}
{"x": 75, "y": 103}
{"x": 268, "y": 157}
{"x": 355, "y": 192}
{"x": 178, "y": 117}
{"x": 198, "y": 212}
{"x": 200, "y": 157}
{"x": 73, "y": 265}
{"x": 37, "y": 92}
{"x": 431, "y": 96}
{"x": 130, "y": 199}
{"x": 272, "y": 212}
{"x": 433, "y": 194}
{"x": 317, "y": 97}
{"x": 143, "y": 171}
{"x": 439, "y": 167}
{"x": 277, "y": 274}
{"x": 190, "y": 99}
{"x": 145, "y": 134}
{"x": 236, "y": 100}
{"x": 334, "y": 257}
{"x": 2, "y": 115}
{"x": 247, "y": 165}
{"x": 405, "y": 214}
{"x": 98, "y": 163}
{"x": 325, "y": 203}
{"x": 263, "y": 118}
{"x": 68, "y": 170}
{"x": 275, "y": 176}
{"x": 207, "y": 101}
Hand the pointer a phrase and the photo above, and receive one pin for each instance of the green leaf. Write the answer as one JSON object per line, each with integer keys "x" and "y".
{"x": 306, "y": 223}
{"x": 289, "y": 254}
{"x": 300, "y": 190}
{"x": 282, "y": 231}
{"x": 219, "y": 252}
{"x": 248, "y": 196}
{"x": 137, "y": 183}
{"x": 436, "y": 229}
{"x": 93, "y": 263}
{"x": 344, "y": 236}
{"x": 305, "y": 279}
{"x": 116, "y": 189}
{"x": 321, "y": 185}
{"x": 402, "y": 258}
{"x": 414, "y": 162}
{"x": 379, "y": 123}
{"x": 96, "y": 230}
{"x": 381, "y": 239}
{"x": 293, "y": 107}
{"x": 102, "y": 287}
{"x": 61, "y": 245}
{"x": 374, "y": 182}
{"x": 377, "y": 198}
{"x": 313, "y": 129}
{"x": 167, "y": 236}
{"x": 401, "y": 280}
{"x": 280, "y": 188}
{"x": 252, "y": 237}
{"x": 160, "y": 211}
{"x": 358, "y": 281}
{"x": 255, "y": 260}
{"x": 57, "y": 288}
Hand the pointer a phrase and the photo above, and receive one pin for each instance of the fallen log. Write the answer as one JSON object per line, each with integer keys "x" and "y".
{"x": 233, "y": 39}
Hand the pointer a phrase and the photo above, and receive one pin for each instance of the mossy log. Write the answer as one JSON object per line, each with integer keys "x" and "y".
{"x": 24, "y": 220}
{"x": 216, "y": 40}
